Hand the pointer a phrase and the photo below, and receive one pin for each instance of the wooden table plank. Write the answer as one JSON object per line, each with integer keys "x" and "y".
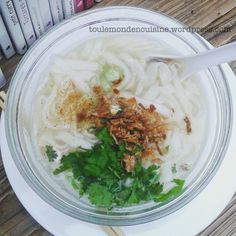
{"x": 227, "y": 21}
{"x": 192, "y": 13}
{"x": 225, "y": 223}
{"x": 8, "y": 67}
{"x": 9, "y": 206}
{"x": 233, "y": 66}
{"x": 14, "y": 220}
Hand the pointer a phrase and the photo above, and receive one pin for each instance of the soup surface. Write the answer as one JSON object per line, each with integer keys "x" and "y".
{"x": 120, "y": 129}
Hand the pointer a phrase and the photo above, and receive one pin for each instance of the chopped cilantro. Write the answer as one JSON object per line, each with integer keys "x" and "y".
{"x": 75, "y": 184}
{"x": 167, "y": 148}
{"x": 98, "y": 173}
{"x": 173, "y": 169}
{"x": 99, "y": 195}
{"x": 136, "y": 149}
{"x": 109, "y": 74}
{"x": 51, "y": 153}
{"x": 175, "y": 191}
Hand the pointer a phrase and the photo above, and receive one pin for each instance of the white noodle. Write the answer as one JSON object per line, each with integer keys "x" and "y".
{"x": 151, "y": 83}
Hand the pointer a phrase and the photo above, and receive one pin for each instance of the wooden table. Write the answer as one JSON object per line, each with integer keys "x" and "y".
{"x": 212, "y": 14}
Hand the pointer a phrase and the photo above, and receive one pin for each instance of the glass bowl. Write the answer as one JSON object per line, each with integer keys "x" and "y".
{"x": 29, "y": 75}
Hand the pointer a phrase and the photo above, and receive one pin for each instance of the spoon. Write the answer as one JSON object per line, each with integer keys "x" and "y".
{"x": 194, "y": 63}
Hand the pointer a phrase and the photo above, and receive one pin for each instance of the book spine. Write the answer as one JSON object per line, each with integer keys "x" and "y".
{"x": 56, "y": 10}
{"x": 5, "y": 41}
{"x": 25, "y": 21}
{"x": 36, "y": 18}
{"x": 13, "y": 25}
{"x": 1, "y": 56}
{"x": 45, "y": 14}
{"x": 88, "y": 3}
{"x": 79, "y": 5}
{"x": 68, "y": 8}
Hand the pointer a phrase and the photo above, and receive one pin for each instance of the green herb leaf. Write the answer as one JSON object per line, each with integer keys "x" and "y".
{"x": 104, "y": 136}
{"x": 75, "y": 184}
{"x": 175, "y": 191}
{"x": 109, "y": 73}
{"x": 167, "y": 148}
{"x": 51, "y": 153}
{"x": 99, "y": 195}
{"x": 173, "y": 169}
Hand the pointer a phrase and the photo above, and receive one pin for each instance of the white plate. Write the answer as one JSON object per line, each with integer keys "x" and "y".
{"x": 189, "y": 220}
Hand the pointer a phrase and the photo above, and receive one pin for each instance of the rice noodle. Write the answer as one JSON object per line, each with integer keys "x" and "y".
{"x": 150, "y": 83}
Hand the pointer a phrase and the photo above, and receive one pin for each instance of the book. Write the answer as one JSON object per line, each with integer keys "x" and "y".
{"x": 5, "y": 41}
{"x": 12, "y": 23}
{"x": 56, "y": 10}
{"x": 1, "y": 56}
{"x": 78, "y": 5}
{"x": 45, "y": 14}
{"x": 25, "y": 21}
{"x": 68, "y": 8}
{"x": 88, "y": 3}
{"x": 34, "y": 10}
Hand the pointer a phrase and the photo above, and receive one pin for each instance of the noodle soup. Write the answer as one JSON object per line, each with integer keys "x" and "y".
{"x": 120, "y": 129}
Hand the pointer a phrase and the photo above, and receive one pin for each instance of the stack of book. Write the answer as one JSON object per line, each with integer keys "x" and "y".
{"x": 23, "y": 21}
